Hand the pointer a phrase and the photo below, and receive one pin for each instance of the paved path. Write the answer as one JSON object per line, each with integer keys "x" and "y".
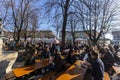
{"x": 6, "y": 62}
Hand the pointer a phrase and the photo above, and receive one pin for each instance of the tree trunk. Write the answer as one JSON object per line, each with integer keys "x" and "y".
{"x": 65, "y": 15}
{"x": 95, "y": 42}
{"x": 25, "y": 36}
{"x": 73, "y": 41}
{"x": 17, "y": 41}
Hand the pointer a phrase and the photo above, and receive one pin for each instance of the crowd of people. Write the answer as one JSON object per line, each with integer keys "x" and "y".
{"x": 98, "y": 58}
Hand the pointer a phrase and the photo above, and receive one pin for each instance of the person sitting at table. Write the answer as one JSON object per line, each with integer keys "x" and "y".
{"x": 46, "y": 52}
{"x": 71, "y": 58}
{"x": 86, "y": 54}
{"x": 31, "y": 60}
{"x": 107, "y": 58}
{"x": 97, "y": 66}
{"x": 58, "y": 62}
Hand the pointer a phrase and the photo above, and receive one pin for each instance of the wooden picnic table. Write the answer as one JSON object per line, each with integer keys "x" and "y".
{"x": 106, "y": 76}
{"x": 19, "y": 72}
{"x": 75, "y": 72}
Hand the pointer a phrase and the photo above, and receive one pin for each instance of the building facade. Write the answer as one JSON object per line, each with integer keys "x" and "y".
{"x": 78, "y": 34}
{"x": 39, "y": 34}
{"x": 116, "y": 37}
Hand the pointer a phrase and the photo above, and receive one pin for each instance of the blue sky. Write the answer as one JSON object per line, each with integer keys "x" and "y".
{"x": 48, "y": 26}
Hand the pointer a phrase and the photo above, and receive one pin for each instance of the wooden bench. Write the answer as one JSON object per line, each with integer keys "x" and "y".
{"x": 106, "y": 76}
{"x": 51, "y": 76}
{"x": 47, "y": 76}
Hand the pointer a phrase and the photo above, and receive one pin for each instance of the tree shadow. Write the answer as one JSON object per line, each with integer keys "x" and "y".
{"x": 3, "y": 66}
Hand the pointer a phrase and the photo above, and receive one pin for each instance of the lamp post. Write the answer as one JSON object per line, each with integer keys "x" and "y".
{"x": 1, "y": 41}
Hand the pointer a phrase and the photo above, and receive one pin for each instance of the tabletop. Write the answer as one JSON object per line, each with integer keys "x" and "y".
{"x": 75, "y": 72}
{"x": 28, "y": 69}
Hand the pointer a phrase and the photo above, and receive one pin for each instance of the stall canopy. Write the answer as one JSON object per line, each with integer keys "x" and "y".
{"x": 53, "y": 40}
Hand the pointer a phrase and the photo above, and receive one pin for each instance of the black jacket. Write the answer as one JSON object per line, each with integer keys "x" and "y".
{"x": 97, "y": 68}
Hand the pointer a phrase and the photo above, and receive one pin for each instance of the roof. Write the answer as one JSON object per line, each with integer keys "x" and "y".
{"x": 38, "y": 34}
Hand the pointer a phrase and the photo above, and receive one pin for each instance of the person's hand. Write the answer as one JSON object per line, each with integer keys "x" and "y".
{"x": 87, "y": 63}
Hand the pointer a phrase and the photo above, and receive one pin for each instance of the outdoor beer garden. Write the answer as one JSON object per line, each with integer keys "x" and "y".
{"x": 59, "y": 40}
{"x": 49, "y": 61}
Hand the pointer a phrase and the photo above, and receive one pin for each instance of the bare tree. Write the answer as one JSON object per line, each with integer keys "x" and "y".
{"x": 96, "y": 17}
{"x": 25, "y": 29}
{"x": 61, "y": 9}
{"x": 34, "y": 22}
{"x": 73, "y": 27}
{"x": 19, "y": 13}
{"x": 18, "y": 16}
{"x": 4, "y": 13}
{"x": 57, "y": 25}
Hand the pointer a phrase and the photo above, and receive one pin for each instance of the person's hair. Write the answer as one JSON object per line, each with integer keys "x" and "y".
{"x": 71, "y": 51}
{"x": 87, "y": 48}
{"x": 94, "y": 53}
{"x": 56, "y": 50}
{"x": 102, "y": 50}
